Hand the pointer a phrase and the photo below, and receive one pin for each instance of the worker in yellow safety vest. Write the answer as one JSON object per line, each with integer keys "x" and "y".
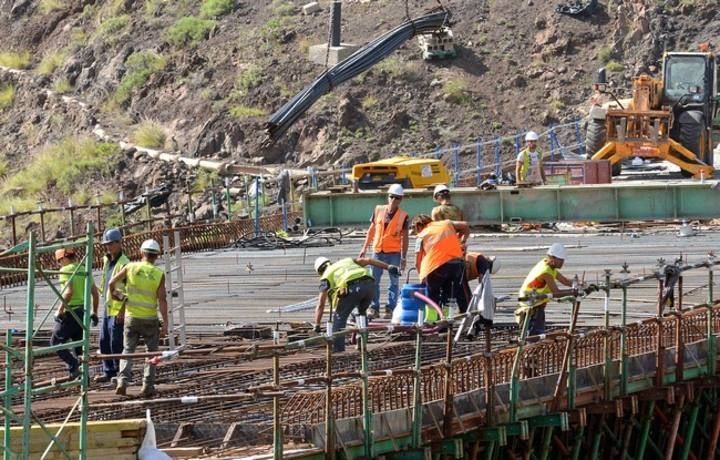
{"x": 348, "y": 285}
{"x": 543, "y": 279}
{"x": 144, "y": 295}
{"x": 529, "y": 165}
{"x": 389, "y": 235}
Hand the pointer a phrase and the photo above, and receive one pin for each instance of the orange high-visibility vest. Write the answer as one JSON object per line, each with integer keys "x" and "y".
{"x": 388, "y": 239}
{"x": 471, "y": 270}
{"x": 440, "y": 244}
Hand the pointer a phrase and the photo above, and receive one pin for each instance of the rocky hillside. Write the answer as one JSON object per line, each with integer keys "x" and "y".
{"x": 200, "y": 77}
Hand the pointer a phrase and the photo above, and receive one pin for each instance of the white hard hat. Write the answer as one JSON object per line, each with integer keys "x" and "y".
{"x": 150, "y": 246}
{"x": 396, "y": 189}
{"x": 440, "y": 188}
{"x": 320, "y": 262}
{"x": 531, "y": 136}
{"x": 558, "y": 251}
{"x": 495, "y": 267}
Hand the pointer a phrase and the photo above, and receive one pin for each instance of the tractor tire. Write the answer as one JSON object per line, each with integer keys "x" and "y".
{"x": 595, "y": 137}
{"x": 616, "y": 169}
{"x": 691, "y": 124}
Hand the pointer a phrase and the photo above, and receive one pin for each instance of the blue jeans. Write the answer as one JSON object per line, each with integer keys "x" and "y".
{"x": 537, "y": 322}
{"x": 391, "y": 258}
{"x": 111, "y": 342}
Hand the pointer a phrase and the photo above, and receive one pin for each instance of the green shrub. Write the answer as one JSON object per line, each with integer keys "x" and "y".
{"x": 111, "y": 29}
{"x": 139, "y": 67}
{"x": 7, "y": 96}
{"x": 614, "y": 66}
{"x": 149, "y": 134}
{"x": 605, "y": 54}
{"x": 283, "y": 8}
{"x": 243, "y": 111}
{"x": 65, "y": 164}
{"x": 248, "y": 79}
{"x": 456, "y": 92}
{"x": 204, "y": 180}
{"x": 62, "y": 86}
{"x": 392, "y": 65}
{"x": 216, "y": 8}
{"x": 15, "y": 60}
{"x": 189, "y": 30}
{"x": 3, "y": 167}
{"x": 557, "y": 104}
{"x": 152, "y": 8}
{"x": 49, "y": 63}
{"x": 370, "y": 102}
{"x": 48, "y": 6}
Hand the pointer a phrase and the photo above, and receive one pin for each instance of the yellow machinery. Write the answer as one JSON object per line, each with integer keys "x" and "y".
{"x": 671, "y": 119}
{"x": 407, "y": 171}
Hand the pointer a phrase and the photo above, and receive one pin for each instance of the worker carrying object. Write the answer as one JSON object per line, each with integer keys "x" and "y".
{"x": 348, "y": 285}
{"x": 445, "y": 210}
{"x": 389, "y": 235}
{"x": 111, "y": 331}
{"x": 529, "y": 165}
{"x": 144, "y": 294}
{"x": 543, "y": 279}
{"x": 439, "y": 258}
{"x": 71, "y": 313}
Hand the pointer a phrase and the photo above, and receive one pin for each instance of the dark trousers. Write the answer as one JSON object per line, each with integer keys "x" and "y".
{"x": 446, "y": 282}
{"x": 359, "y": 295}
{"x": 537, "y": 322}
{"x": 67, "y": 329}
{"x": 111, "y": 342}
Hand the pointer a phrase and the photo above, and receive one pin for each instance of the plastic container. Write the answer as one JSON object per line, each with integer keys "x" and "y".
{"x": 406, "y": 312}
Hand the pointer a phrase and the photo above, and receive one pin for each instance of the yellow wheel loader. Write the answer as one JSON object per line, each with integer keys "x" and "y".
{"x": 675, "y": 119}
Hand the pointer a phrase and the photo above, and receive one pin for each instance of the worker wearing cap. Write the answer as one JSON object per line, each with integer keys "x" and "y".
{"x": 543, "y": 279}
{"x": 348, "y": 285}
{"x": 445, "y": 210}
{"x": 70, "y": 314}
{"x": 111, "y": 332}
{"x": 529, "y": 165}
{"x": 439, "y": 258}
{"x": 389, "y": 235}
{"x": 144, "y": 294}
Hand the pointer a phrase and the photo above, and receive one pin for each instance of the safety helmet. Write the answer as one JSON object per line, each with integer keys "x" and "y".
{"x": 495, "y": 265}
{"x": 440, "y": 188}
{"x": 396, "y": 189}
{"x": 320, "y": 263}
{"x": 111, "y": 235}
{"x": 558, "y": 251}
{"x": 150, "y": 247}
{"x": 531, "y": 136}
{"x": 64, "y": 252}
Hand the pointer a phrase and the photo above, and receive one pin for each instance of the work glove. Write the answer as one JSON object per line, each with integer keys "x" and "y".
{"x": 94, "y": 320}
{"x": 590, "y": 288}
{"x": 316, "y": 328}
{"x": 394, "y": 270}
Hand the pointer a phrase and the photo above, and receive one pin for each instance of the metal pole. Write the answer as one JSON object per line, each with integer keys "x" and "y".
{"x": 329, "y": 425}
{"x": 672, "y": 440}
{"x": 679, "y": 349}
{"x": 9, "y": 391}
{"x": 84, "y": 365}
{"x": 417, "y": 389}
{"x": 623, "y": 344}
{"x": 607, "y": 342}
{"x": 690, "y": 431}
{"x": 514, "y": 378}
{"x": 42, "y": 224}
{"x": 564, "y": 368}
{"x": 335, "y": 23}
{"x": 498, "y": 166}
{"x": 121, "y": 197}
{"x": 660, "y": 354}
{"x": 577, "y": 445}
{"x": 285, "y": 216}
{"x": 456, "y": 164}
{"x": 448, "y": 409}
{"x": 29, "y": 324}
{"x": 367, "y": 409}
{"x": 71, "y": 208}
{"x": 645, "y": 431}
{"x": 12, "y": 223}
{"x": 277, "y": 427}
{"x": 478, "y": 162}
{"x": 257, "y": 205}
{"x": 227, "y": 198}
{"x": 148, "y": 213}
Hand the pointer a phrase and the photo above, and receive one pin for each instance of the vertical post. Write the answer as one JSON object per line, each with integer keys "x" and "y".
{"x": 98, "y": 213}
{"x": 417, "y": 389}
{"x": 577, "y": 445}
{"x": 514, "y": 377}
{"x": 148, "y": 211}
{"x": 29, "y": 326}
{"x": 623, "y": 344}
{"x": 546, "y": 443}
{"x": 367, "y": 409}
{"x": 343, "y": 178}
{"x": 84, "y": 364}
{"x": 329, "y": 423}
{"x": 711, "y": 354}
{"x": 679, "y": 349}
{"x": 335, "y": 23}
{"x": 579, "y": 139}
{"x": 7, "y": 400}
{"x": 448, "y": 394}
{"x": 562, "y": 382}
{"x": 71, "y": 208}
{"x": 213, "y": 200}
{"x": 660, "y": 353}
{"x": 478, "y": 162}
{"x": 12, "y": 223}
{"x": 228, "y": 200}
{"x": 277, "y": 426}
{"x": 498, "y": 165}
{"x": 674, "y": 427}
{"x": 607, "y": 341}
{"x": 121, "y": 197}
{"x": 690, "y": 429}
{"x": 42, "y": 223}
{"x": 257, "y": 205}
{"x": 645, "y": 431}
{"x": 456, "y": 164}
{"x": 285, "y": 216}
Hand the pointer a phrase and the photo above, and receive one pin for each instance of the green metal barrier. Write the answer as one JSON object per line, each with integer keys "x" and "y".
{"x": 608, "y": 202}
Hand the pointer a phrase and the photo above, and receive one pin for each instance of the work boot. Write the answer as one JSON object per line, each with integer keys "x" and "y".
{"x": 147, "y": 391}
{"x": 101, "y": 378}
{"x": 372, "y": 313}
{"x": 387, "y": 313}
{"x": 74, "y": 373}
{"x": 121, "y": 389}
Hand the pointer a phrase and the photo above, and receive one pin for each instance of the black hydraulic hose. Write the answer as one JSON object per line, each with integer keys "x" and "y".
{"x": 357, "y": 63}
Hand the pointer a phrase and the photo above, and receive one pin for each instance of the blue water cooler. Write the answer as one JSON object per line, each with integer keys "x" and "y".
{"x": 406, "y": 312}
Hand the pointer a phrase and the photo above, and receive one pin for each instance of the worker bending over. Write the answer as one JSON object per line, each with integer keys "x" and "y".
{"x": 439, "y": 258}
{"x": 70, "y": 314}
{"x": 445, "y": 210}
{"x": 145, "y": 288}
{"x": 389, "y": 233}
{"x": 476, "y": 265}
{"x": 529, "y": 165}
{"x": 543, "y": 279}
{"x": 348, "y": 285}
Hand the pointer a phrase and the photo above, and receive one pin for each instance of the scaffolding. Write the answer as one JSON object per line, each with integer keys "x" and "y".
{"x": 177, "y": 332}
{"x": 26, "y": 353}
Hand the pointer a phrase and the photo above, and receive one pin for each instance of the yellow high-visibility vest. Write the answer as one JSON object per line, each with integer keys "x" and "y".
{"x": 143, "y": 281}
{"x": 113, "y": 306}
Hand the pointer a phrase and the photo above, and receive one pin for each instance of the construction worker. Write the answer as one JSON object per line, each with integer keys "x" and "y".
{"x": 439, "y": 258}
{"x": 543, "y": 279}
{"x": 348, "y": 285}
{"x": 445, "y": 210}
{"x": 476, "y": 265}
{"x": 389, "y": 235}
{"x": 111, "y": 332}
{"x": 529, "y": 165}
{"x": 70, "y": 314}
{"x": 144, "y": 294}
